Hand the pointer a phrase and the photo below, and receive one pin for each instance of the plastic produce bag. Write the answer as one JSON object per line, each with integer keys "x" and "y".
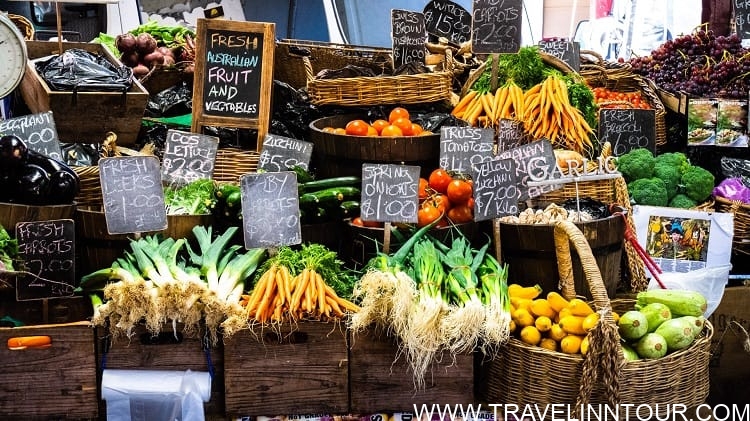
{"x": 79, "y": 70}
{"x": 736, "y": 168}
{"x": 173, "y": 101}
{"x": 709, "y": 281}
{"x": 733, "y": 189}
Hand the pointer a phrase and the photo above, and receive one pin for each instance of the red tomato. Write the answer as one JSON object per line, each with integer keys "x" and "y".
{"x": 427, "y": 215}
{"x": 461, "y": 214}
{"x": 423, "y": 185}
{"x": 458, "y": 191}
{"x": 439, "y": 180}
{"x": 439, "y": 201}
{"x": 358, "y": 222}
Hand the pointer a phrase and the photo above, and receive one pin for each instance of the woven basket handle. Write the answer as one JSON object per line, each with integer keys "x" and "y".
{"x": 602, "y": 362}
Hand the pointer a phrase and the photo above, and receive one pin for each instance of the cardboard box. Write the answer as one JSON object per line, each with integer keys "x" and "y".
{"x": 729, "y": 367}
{"x": 84, "y": 117}
{"x": 58, "y": 382}
{"x": 298, "y": 368}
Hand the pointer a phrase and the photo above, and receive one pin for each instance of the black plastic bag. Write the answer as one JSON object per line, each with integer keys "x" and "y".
{"x": 736, "y": 168}
{"x": 80, "y": 70}
{"x": 171, "y": 102}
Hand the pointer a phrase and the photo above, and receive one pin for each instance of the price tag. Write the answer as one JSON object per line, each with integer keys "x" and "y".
{"x": 133, "y": 194}
{"x": 409, "y": 36}
{"x": 496, "y": 26}
{"x": 38, "y": 131}
{"x": 627, "y": 129}
{"x": 534, "y": 161}
{"x": 495, "y": 189}
{"x": 463, "y": 148}
{"x": 281, "y": 153}
{"x": 389, "y": 193}
{"x": 444, "y": 18}
{"x": 510, "y": 134}
{"x": 188, "y": 157}
{"x": 742, "y": 21}
{"x": 270, "y": 209}
{"x": 47, "y": 252}
{"x": 567, "y": 51}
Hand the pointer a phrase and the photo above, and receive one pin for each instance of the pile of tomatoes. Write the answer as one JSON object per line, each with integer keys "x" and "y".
{"x": 607, "y": 98}
{"x": 398, "y": 124}
{"x": 445, "y": 196}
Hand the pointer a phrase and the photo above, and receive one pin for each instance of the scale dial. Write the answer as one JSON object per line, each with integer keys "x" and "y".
{"x": 14, "y": 56}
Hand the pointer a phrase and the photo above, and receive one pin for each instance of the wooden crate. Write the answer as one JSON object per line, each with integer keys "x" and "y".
{"x": 300, "y": 369}
{"x": 380, "y": 384}
{"x": 84, "y": 117}
{"x": 58, "y": 382}
{"x": 164, "y": 352}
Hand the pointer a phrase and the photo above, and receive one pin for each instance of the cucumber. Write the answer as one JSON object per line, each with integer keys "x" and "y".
{"x": 330, "y": 196}
{"x": 680, "y": 302}
{"x": 327, "y": 183}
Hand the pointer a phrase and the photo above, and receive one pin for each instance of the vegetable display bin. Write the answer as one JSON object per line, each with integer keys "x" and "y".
{"x": 167, "y": 350}
{"x": 381, "y": 383}
{"x": 12, "y": 213}
{"x": 297, "y": 368}
{"x": 56, "y": 382}
{"x": 84, "y": 117}
{"x": 339, "y": 155}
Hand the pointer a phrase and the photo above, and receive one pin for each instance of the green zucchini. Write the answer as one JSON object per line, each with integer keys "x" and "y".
{"x": 348, "y": 209}
{"x": 224, "y": 190}
{"x": 234, "y": 200}
{"x": 680, "y": 302}
{"x": 329, "y": 197}
{"x": 326, "y": 183}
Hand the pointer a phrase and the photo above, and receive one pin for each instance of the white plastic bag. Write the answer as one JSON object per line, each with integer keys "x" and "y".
{"x": 709, "y": 281}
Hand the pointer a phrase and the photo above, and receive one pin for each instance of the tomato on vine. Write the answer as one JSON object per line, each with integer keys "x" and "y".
{"x": 459, "y": 191}
{"x": 439, "y": 180}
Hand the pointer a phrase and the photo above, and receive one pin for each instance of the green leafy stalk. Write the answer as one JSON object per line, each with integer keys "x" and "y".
{"x": 236, "y": 271}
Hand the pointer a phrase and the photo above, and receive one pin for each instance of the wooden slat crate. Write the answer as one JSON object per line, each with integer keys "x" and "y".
{"x": 300, "y": 369}
{"x": 163, "y": 352}
{"x": 380, "y": 384}
{"x": 84, "y": 117}
{"x": 58, "y": 382}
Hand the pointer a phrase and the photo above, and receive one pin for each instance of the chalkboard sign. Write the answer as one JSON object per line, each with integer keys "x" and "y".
{"x": 627, "y": 129}
{"x": 496, "y": 26}
{"x": 444, "y": 18}
{"x": 389, "y": 193}
{"x": 270, "y": 209}
{"x": 463, "y": 148}
{"x": 47, "y": 252}
{"x": 133, "y": 194}
{"x": 281, "y": 153}
{"x": 409, "y": 36}
{"x": 495, "y": 189}
{"x": 233, "y": 75}
{"x": 567, "y": 51}
{"x": 532, "y": 160}
{"x": 742, "y": 21}
{"x": 510, "y": 134}
{"x": 188, "y": 157}
{"x": 37, "y": 130}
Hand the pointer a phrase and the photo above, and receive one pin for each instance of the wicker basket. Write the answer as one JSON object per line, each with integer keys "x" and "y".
{"x": 382, "y": 90}
{"x": 90, "y": 193}
{"x": 290, "y": 68}
{"x": 741, "y": 212}
{"x": 525, "y": 374}
{"x": 232, "y": 163}
{"x": 24, "y": 25}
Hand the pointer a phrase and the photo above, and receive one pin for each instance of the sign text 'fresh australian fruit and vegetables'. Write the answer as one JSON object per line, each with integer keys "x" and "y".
{"x": 390, "y": 193}
{"x": 233, "y": 75}
{"x": 270, "y": 209}
{"x": 47, "y": 253}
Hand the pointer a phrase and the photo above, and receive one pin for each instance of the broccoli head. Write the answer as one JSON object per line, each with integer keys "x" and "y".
{"x": 698, "y": 183}
{"x": 649, "y": 192}
{"x": 675, "y": 159}
{"x": 671, "y": 176}
{"x": 636, "y": 164}
{"x": 682, "y": 201}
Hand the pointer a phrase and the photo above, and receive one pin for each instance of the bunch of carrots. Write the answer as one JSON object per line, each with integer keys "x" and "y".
{"x": 278, "y": 296}
{"x": 545, "y": 110}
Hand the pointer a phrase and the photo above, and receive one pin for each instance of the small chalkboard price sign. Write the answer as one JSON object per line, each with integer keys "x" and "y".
{"x": 444, "y": 18}
{"x": 409, "y": 35}
{"x": 37, "y": 130}
{"x": 510, "y": 134}
{"x": 133, "y": 194}
{"x": 281, "y": 153}
{"x": 533, "y": 160}
{"x": 47, "y": 252}
{"x": 627, "y": 129}
{"x": 496, "y": 26}
{"x": 389, "y": 193}
{"x": 495, "y": 189}
{"x": 270, "y": 209}
{"x": 567, "y": 51}
{"x": 233, "y": 75}
{"x": 463, "y": 148}
{"x": 742, "y": 21}
{"x": 188, "y": 157}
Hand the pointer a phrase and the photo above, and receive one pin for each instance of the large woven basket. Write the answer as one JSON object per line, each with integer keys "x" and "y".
{"x": 526, "y": 375}
{"x": 232, "y": 163}
{"x": 741, "y": 212}
{"x": 620, "y": 77}
{"x": 382, "y": 90}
